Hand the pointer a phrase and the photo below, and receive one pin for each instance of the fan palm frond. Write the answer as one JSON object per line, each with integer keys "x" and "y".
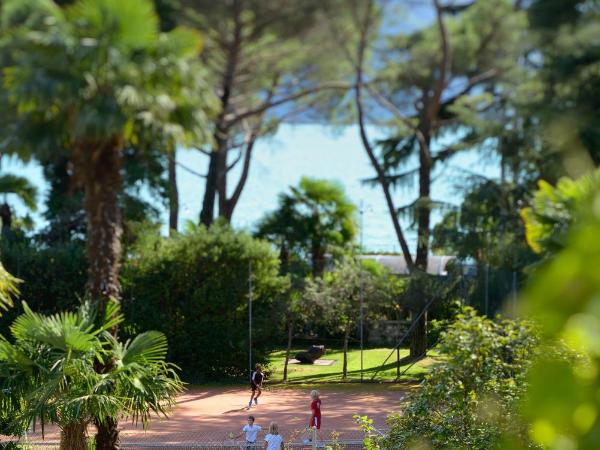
{"x": 127, "y": 25}
{"x": 21, "y": 187}
{"x": 8, "y": 288}
{"x": 65, "y": 331}
{"x": 146, "y": 348}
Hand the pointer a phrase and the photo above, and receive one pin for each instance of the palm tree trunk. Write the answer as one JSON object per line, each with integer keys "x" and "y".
{"x": 290, "y": 327}
{"x": 107, "y": 437}
{"x": 100, "y": 167}
{"x": 101, "y": 171}
{"x": 73, "y": 437}
{"x": 345, "y": 366}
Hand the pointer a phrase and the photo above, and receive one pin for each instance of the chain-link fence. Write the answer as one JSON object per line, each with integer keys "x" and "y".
{"x": 181, "y": 440}
{"x": 335, "y": 444}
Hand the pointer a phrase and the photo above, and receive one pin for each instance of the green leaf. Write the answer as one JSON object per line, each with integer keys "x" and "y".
{"x": 8, "y": 288}
{"x": 145, "y": 348}
{"x": 125, "y": 25}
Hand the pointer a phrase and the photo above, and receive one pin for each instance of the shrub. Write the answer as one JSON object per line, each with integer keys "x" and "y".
{"x": 194, "y": 288}
{"x": 66, "y": 369}
{"x": 470, "y": 398}
{"x": 53, "y": 276}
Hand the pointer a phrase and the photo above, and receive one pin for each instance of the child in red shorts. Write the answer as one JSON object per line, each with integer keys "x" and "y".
{"x": 315, "y": 410}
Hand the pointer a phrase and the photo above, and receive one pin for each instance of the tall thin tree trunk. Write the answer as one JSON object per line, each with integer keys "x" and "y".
{"x": 207, "y": 214}
{"x": 107, "y": 437}
{"x": 222, "y": 183}
{"x": 173, "y": 193}
{"x": 345, "y": 366}
{"x": 73, "y": 437}
{"x": 102, "y": 184}
{"x": 381, "y": 175}
{"x": 217, "y": 167}
{"x": 429, "y": 115}
{"x": 100, "y": 167}
{"x": 290, "y": 327}
{"x": 418, "y": 343}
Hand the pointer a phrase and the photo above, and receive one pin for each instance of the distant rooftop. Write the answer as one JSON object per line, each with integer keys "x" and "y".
{"x": 436, "y": 265}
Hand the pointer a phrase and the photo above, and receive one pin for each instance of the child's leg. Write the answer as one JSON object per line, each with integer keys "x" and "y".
{"x": 259, "y": 391}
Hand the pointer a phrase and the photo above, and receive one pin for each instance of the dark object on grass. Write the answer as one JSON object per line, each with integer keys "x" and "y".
{"x": 311, "y": 355}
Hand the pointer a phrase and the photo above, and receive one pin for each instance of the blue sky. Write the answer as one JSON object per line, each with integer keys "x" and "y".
{"x": 320, "y": 151}
{"x": 295, "y": 151}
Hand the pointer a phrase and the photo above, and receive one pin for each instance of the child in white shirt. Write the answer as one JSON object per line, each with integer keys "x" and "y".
{"x": 273, "y": 440}
{"x": 251, "y": 432}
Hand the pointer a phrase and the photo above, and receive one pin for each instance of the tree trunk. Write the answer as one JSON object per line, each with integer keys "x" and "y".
{"x": 221, "y": 182}
{"x": 207, "y": 214}
{"x": 381, "y": 175}
{"x": 290, "y": 327}
{"x": 107, "y": 437}
{"x": 217, "y": 168}
{"x": 227, "y": 205}
{"x": 101, "y": 171}
{"x": 318, "y": 260}
{"x": 285, "y": 258}
{"x": 173, "y": 193}
{"x": 428, "y": 119}
{"x": 6, "y": 217}
{"x": 418, "y": 340}
{"x": 73, "y": 437}
{"x": 418, "y": 343}
{"x": 345, "y": 366}
{"x": 100, "y": 167}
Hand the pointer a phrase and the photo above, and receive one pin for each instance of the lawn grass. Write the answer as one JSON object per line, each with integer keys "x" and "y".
{"x": 372, "y": 360}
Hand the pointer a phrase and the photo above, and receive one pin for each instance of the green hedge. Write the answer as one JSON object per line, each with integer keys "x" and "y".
{"x": 194, "y": 288}
{"x": 53, "y": 277}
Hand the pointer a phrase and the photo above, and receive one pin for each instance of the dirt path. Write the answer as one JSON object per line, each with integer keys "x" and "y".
{"x": 210, "y": 414}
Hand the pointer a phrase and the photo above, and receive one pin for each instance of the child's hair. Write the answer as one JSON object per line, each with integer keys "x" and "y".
{"x": 273, "y": 428}
{"x": 258, "y": 367}
{"x": 314, "y": 394}
{"x": 251, "y": 418}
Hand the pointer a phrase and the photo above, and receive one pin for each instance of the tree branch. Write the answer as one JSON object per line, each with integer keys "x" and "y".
{"x": 444, "y": 68}
{"x": 471, "y": 83}
{"x": 235, "y": 161}
{"x": 383, "y": 101}
{"x": 233, "y": 200}
{"x": 251, "y": 137}
{"x": 268, "y": 104}
{"x": 367, "y": 144}
{"x": 184, "y": 167}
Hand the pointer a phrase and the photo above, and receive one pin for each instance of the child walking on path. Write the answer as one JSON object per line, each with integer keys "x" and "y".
{"x": 315, "y": 410}
{"x": 273, "y": 440}
{"x": 315, "y": 415}
{"x": 251, "y": 430}
{"x": 256, "y": 380}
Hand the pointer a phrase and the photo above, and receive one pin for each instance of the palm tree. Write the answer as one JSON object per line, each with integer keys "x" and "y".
{"x": 96, "y": 78}
{"x": 8, "y": 288}
{"x": 312, "y": 219}
{"x": 50, "y": 373}
{"x": 21, "y": 188}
